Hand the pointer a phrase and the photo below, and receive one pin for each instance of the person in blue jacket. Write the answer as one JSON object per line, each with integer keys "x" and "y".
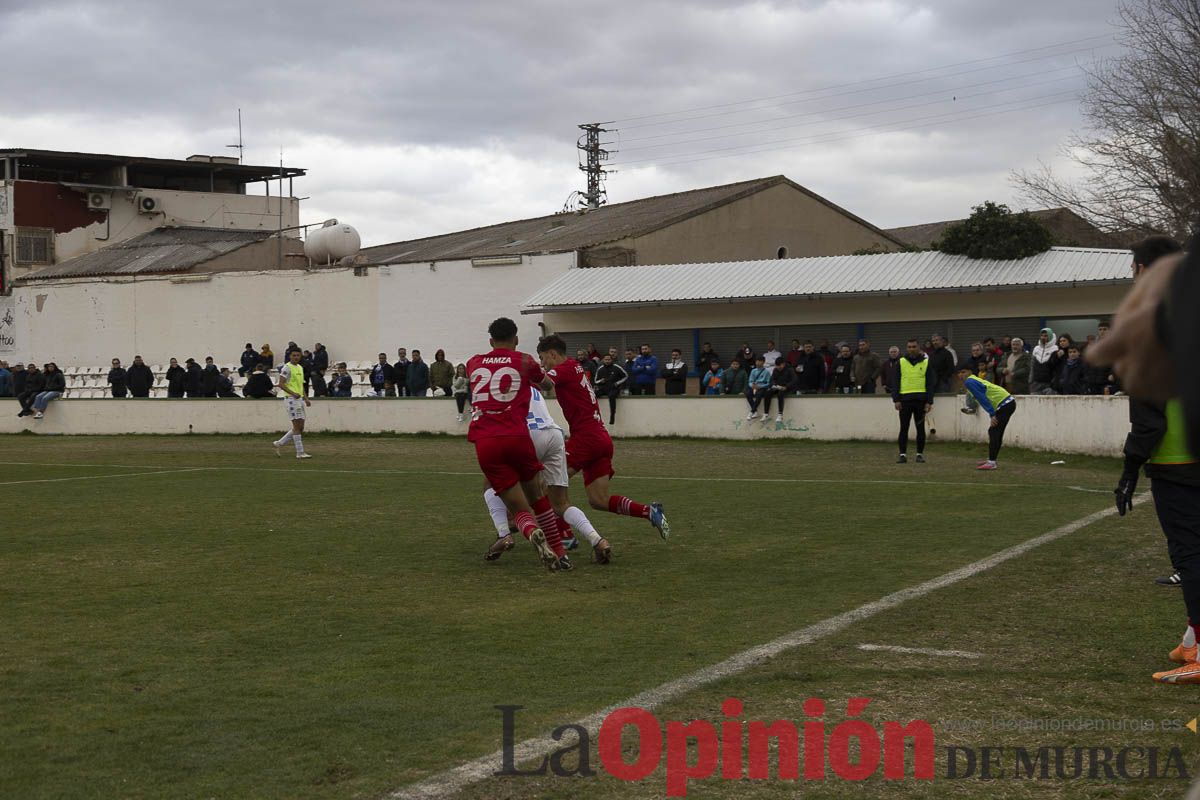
{"x": 998, "y": 404}
{"x": 645, "y": 373}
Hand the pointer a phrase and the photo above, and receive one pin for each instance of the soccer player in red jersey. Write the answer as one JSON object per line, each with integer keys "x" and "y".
{"x": 590, "y": 448}
{"x": 500, "y": 391}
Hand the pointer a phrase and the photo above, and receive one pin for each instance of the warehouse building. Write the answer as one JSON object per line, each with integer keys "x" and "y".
{"x": 884, "y": 298}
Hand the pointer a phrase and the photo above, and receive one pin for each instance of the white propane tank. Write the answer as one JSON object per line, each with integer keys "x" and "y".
{"x": 331, "y": 242}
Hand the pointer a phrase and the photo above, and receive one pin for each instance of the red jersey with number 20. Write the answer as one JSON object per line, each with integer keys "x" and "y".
{"x": 500, "y": 392}
{"x": 576, "y": 397}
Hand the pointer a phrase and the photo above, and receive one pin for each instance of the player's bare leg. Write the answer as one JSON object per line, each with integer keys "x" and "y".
{"x": 575, "y": 518}
{"x": 601, "y": 499}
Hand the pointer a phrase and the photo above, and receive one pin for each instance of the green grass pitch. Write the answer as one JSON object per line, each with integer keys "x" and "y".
{"x": 192, "y": 617}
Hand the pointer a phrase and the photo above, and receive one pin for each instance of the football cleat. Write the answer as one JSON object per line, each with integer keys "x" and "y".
{"x": 277, "y": 453}
{"x": 303, "y": 455}
{"x": 987, "y": 465}
{"x": 659, "y": 520}
{"x": 570, "y": 542}
{"x": 542, "y": 548}
{"x": 1174, "y": 579}
{"x": 902, "y": 459}
{"x": 564, "y": 564}
{"x": 499, "y": 547}
{"x": 602, "y": 552}
{"x": 920, "y": 458}
{"x": 1188, "y": 673}
{"x": 1183, "y": 654}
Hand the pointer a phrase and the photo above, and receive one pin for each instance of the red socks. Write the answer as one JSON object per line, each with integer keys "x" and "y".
{"x": 548, "y": 522}
{"x": 626, "y": 507}
{"x": 525, "y": 523}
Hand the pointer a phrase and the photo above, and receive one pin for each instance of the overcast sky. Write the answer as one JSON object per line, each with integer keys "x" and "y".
{"x": 419, "y": 118}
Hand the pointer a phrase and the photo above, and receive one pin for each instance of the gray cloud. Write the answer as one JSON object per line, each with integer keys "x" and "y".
{"x": 417, "y": 118}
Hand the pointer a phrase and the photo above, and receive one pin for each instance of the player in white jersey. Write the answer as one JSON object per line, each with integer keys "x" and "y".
{"x": 291, "y": 387}
{"x": 549, "y": 444}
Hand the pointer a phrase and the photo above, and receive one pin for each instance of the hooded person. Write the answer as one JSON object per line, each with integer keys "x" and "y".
{"x": 1045, "y": 358}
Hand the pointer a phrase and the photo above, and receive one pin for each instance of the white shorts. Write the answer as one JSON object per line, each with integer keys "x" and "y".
{"x": 294, "y": 406}
{"x": 551, "y": 450}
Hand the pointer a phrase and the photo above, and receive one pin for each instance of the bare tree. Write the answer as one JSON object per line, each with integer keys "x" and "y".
{"x": 1141, "y": 153}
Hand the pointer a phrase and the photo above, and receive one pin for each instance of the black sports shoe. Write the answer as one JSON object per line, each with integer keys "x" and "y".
{"x": 564, "y": 563}
{"x": 1169, "y": 580}
{"x": 902, "y": 459}
{"x": 920, "y": 458}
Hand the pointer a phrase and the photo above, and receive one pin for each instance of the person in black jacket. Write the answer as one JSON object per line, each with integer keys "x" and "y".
{"x": 704, "y": 361}
{"x": 941, "y": 363}
{"x": 341, "y": 384}
{"x": 192, "y": 384}
{"x": 609, "y": 379}
{"x": 35, "y": 382}
{"x": 783, "y": 383}
{"x": 843, "y": 371}
{"x": 208, "y": 380}
{"x": 258, "y": 385}
{"x": 56, "y": 384}
{"x": 18, "y": 379}
{"x": 416, "y": 379}
{"x": 675, "y": 372}
{"x": 320, "y": 362}
{"x": 118, "y": 379}
{"x": 176, "y": 379}
{"x": 810, "y": 371}
{"x": 225, "y": 384}
{"x": 913, "y": 405}
{"x": 400, "y": 372}
{"x": 250, "y": 358}
{"x": 1069, "y": 377}
{"x": 141, "y": 378}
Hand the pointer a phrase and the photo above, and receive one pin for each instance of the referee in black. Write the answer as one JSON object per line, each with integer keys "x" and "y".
{"x": 1157, "y": 442}
{"x": 913, "y": 397}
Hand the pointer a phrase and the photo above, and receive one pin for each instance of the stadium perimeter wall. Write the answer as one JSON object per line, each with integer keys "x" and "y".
{"x": 1085, "y": 425}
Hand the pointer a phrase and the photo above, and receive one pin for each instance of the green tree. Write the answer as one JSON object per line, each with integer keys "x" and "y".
{"x": 994, "y": 231}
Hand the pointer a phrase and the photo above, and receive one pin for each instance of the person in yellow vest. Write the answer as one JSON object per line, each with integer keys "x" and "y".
{"x": 1157, "y": 442}
{"x": 999, "y": 406}
{"x": 913, "y": 397}
{"x": 291, "y": 388}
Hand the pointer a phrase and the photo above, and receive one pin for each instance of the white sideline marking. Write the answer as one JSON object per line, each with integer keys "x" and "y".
{"x": 101, "y": 477}
{"x": 446, "y": 783}
{"x": 980, "y": 484}
{"x": 921, "y": 651}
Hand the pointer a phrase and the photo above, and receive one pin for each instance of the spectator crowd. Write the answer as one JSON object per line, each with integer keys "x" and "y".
{"x": 1053, "y": 365}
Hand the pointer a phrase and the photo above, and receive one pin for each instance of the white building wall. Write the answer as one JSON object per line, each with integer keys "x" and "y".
{"x": 195, "y": 209}
{"x": 449, "y": 304}
{"x": 87, "y": 323}
{"x": 1085, "y": 425}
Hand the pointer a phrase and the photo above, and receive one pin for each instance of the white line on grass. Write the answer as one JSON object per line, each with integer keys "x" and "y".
{"x": 447, "y": 783}
{"x": 980, "y": 484}
{"x": 920, "y": 651}
{"x": 101, "y": 477}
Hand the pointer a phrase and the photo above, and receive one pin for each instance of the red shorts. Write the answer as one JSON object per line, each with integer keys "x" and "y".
{"x": 507, "y": 460}
{"x": 590, "y": 452}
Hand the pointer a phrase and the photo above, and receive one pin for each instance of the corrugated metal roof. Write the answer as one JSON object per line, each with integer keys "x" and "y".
{"x": 160, "y": 251}
{"x": 900, "y": 273}
{"x": 565, "y": 232}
